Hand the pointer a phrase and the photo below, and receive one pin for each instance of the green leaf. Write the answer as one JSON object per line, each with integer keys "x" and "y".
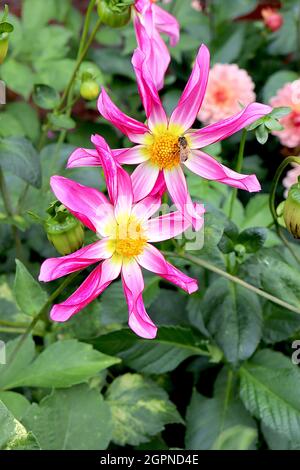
{"x": 140, "y": 409}
{"x": 282, "y": 111}
{"x": 13, "y": 435}
{"x": 16, "y": 403}
{"x": 270, "y": 391}
{"x": 208, "y": 419}
{"x": 162, "y": 354}
{"x": 18, "y": 155}
{"x": 72, "y": 419}
{"x": 61, "y": 121}
{"x": 257, "y": 212}
{"x": 63, "y": 364}
{"x": 231, "y": 49}
{"x": 279, "y": 323}
{"x": 36, "y": 14}
{"x": 276, "y": 81}
{"x": 262, "y": 134}
{"x": 272, "y": 124}
{"x": 232, "y": 315}
{"x": 45, "y": 96}
{"x": 28, "y": 293}
{"x": 252, "y": 238}
{"x": 236, "y": 438}
{"x": 278, "y": 277}
{"x": 18, "y": 77}
{"x": 27, "y": 116}
{"x": 11, "y": 370}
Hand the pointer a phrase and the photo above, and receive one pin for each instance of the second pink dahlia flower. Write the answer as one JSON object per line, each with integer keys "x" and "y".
{"x": 126, "y": 232}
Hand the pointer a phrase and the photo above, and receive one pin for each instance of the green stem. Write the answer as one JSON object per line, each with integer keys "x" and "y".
{"x": 237, "y": 280}
{"x": 272, "y": 202}
{"x": 78, "y": 63}
{"x": 238, "y": 168}
{"x": 227, "y": 398}
{"x": 86, "y": 26}
{"x": 41, "y": 314}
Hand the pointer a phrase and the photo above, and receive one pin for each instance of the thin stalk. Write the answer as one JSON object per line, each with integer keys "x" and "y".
{"x": 41, "y": 314}
{"x": 238, "y": 168}
{"x": 236, "y": 280}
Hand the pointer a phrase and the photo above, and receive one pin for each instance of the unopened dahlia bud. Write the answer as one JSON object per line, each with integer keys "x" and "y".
{"x": 272, "y": 18}
{"x": 114, "y": 13}
{"x": 291, "y": 212}
{"x": 63, "y": 230}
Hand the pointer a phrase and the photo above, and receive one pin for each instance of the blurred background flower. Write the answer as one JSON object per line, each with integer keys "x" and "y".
{"x": 289, "y": 95}
{"x": 229, "y": 88}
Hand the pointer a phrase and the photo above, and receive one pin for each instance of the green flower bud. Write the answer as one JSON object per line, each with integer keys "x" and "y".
{"x": 89, "y": 89}
{"x": 63, "y": 230}
{"x": 114, "y": 13}
{"x": 291, "y": 212}
{"x": 3, "y": 46}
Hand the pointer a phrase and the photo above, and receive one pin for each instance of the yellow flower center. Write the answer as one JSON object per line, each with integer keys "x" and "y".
{"x": 129, "y": 239}
{"x": 165, "y": 151}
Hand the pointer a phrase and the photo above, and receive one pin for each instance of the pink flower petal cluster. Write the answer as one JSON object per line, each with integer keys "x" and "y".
{"x": 157, "y": 153}
{"x": 126, "y": 231}
{"x": 229, "y": 88}
{"x": 163, "y": 148}
{"x": 289, "y": 95}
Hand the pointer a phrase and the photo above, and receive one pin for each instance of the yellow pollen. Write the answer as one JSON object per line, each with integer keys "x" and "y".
{"x": 165, "y": 151}
{"x": 130, "y": 239}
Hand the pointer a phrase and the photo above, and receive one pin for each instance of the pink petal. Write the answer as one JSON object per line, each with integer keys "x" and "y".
{"x": 152, "y": 260}
{"x": 87, "y": 204}
{"x": 133, "y": 285}
{"x": 144, "y": 209}
{"x": 129, "y": 126}
{"x": 157, "y": 56}
{"x": 177, "y": 188}
{"x": 143, "y": 179}
{"x": 148, "y": 92}
{"x": 117, "y": 180}
{"x": 83, "y": 157}
{"x": 207, "y": 167}
{"x": 131, "y": 156}
{"x": 225, "y": 128}
{"x": 53, "y": 268}
{"x": 166, "y": 23}
{"x": 191, "y": 99}
{"x": 93, "y": 286}
{"x": 160, "y": 186}
{"x": 169, "y": 225}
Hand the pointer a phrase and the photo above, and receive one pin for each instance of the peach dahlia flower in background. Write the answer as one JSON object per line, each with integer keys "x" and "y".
{"x": 289, "y": 95}
{"x": 229, "y": 88}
